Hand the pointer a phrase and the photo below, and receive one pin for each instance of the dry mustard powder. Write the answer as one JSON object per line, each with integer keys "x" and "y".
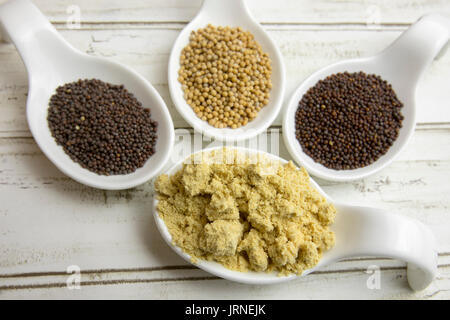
{"x": 247, "y": 215}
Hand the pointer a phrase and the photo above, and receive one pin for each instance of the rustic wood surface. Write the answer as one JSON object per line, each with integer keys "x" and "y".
{"x": 49, "y": 222}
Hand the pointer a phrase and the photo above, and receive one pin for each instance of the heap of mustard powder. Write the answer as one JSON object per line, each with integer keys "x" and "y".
{"x": 247, "y": 215}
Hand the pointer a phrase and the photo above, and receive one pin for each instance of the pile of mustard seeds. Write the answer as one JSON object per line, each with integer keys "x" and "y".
{"x": 102, "y": 126}
{"x": 348, "y": 120}
{"x": 225, "y": 76}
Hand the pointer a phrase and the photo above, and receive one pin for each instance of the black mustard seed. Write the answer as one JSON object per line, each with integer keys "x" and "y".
{"x": 348, "y": 120}
{"x": 102, "y": 126}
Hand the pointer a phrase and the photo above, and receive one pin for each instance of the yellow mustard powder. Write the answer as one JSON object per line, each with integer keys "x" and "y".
{"x": 245, "y": 214}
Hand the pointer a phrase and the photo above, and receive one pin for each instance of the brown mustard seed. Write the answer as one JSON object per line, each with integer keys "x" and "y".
{"x": 348, "y": 120}
{"x": 225, "y": 76}
{"x": 102, "y": 126}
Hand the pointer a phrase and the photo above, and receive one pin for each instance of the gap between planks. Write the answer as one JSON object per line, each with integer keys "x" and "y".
{"x": 176, "y": 279}
{"x": 179, "y": 25}
{"x": 192, "y": 267}
{"x": 103, "y": 282}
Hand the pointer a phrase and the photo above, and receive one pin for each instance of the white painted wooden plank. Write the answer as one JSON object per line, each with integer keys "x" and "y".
{"x": 351, "y": 285}
{"x": 147, "y": 50}
{"x": 100, "y": 230}
{"x": 265, "y": 11}
{"x": 36, "y": 280}
{"x": 48, "y": 221}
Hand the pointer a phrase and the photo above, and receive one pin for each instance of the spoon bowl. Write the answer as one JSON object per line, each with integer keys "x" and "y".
{"x": 359, "y": 231}
{"x": 52, "y": 62}
{"x": 233, "y": 13}
{"x": 402, "y": 65}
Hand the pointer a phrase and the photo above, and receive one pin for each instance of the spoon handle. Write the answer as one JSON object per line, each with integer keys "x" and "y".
{"x": 364, "y": 231}
{"x": 228, "y": 10}
{"x": 415, "y": 49}
{"x": 35, "y": 38}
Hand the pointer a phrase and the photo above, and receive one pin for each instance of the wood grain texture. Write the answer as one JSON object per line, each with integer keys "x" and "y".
{"x": 146, "y": 50}
{"x": 265, "y": 11}
{"x": 49, "y": 222}
{"x": 195, "y": 284}
{"x": 103, "y": 230}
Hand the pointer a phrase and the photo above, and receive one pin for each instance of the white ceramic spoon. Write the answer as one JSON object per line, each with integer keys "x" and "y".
{"x": 51, "y": 62}
{"x": 233, "y": 13}
{"x": 360, "y": 231}
{"x": 401, "y": 64}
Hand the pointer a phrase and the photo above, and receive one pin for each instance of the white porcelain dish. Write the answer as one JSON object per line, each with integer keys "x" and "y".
{"x": 402, "y": 64}
{"x": 51, "y": 62}
{"x": 360, "y": 231}
{"x": 233, "y": 13}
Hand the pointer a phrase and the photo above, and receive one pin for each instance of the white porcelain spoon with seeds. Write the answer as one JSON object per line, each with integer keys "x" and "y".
{"x": 232, "y": 13}
{"x": 52, "y": 62}
{"x": 402, "y": 65}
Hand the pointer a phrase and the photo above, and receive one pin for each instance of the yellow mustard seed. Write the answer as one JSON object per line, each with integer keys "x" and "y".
{"x": 225, "y": 70}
